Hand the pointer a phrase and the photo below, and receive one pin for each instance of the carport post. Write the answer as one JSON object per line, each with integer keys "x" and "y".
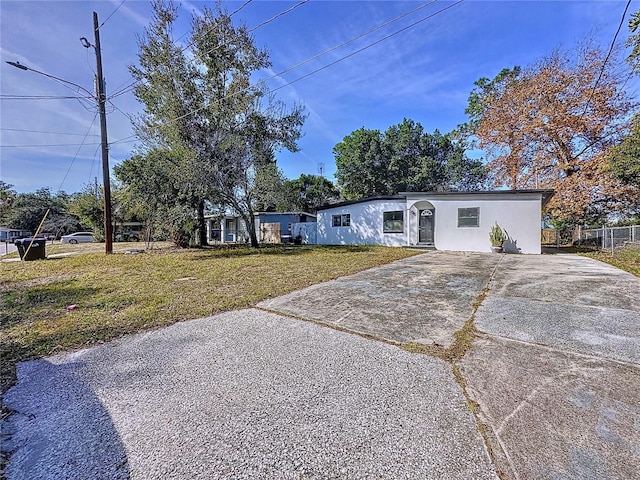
{"x": 407, "y": 223}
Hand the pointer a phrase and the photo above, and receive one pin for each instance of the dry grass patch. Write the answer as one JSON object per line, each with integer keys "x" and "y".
{"x": 120, "y": 294}
{"x": 627, "y": 258}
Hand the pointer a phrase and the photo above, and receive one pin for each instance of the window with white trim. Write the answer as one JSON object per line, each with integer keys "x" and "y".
{"x": 393, "y": 222}
{"x": 343, "y": 220}
{"x": 469, "y": 217}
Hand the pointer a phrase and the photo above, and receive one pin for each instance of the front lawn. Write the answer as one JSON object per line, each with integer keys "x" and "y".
{"x": 119, "y": 294}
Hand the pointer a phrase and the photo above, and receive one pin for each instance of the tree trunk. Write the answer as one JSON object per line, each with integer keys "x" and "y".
{"x": 251, "y": 227}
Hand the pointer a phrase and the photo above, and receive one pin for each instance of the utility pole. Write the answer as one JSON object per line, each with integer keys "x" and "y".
{"x": 102, "y": 99}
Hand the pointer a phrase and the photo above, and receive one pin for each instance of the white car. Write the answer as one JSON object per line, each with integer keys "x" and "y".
{"x": 78, "y": 237}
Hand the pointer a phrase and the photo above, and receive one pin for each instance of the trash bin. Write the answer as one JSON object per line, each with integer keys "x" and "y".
{"x": 37, "y": 250}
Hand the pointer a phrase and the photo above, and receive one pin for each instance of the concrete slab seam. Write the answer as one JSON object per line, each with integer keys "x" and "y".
{"x": 474, "y": 407}
{"x": 559, "y": 350}
{"x": 333, "y": 326}
{"x": 464, "y": 338}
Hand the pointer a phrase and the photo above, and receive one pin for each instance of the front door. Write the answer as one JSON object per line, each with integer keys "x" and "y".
{"x": 425, "y": 226}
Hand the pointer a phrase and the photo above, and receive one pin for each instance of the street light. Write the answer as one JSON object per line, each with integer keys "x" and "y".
{"x": 24, "y": 67}
{"x": 101, "y": 99}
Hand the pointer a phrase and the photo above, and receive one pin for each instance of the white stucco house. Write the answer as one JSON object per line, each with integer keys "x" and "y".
{"x": 458, "y": 221}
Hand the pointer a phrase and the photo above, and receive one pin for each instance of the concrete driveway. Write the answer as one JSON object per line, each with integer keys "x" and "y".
{"x": 549, "y": 388}
{"x": 555, "y": 368}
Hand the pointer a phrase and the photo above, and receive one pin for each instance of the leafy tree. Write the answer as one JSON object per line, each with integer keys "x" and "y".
{"x": 167, "y": 87}
{"x": 88, "y": 206}
{"x": 7, "y": 195}
{"x": 28, "y": 210}
{"x": 200, "y": 101}
{"x": 246, "y": 167}
{"x": 404, "y": 158}
{"x": 624, "y": 163}
{"x": 634, "y": 42}
{"x": 307, "y": 193}
{"x": 269, "y": 188}
{"x": 361, "y": 164}
{"x": 150, "y": 191}
{"x": 551, "y": 125}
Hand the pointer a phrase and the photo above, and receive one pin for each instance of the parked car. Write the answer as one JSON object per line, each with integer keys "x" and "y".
{"x": 132, "y": 236}
{"x": 78, "y": 237}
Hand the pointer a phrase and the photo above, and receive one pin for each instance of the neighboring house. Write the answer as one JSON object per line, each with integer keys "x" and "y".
{"x": 226, "y": 229}
{"x": 458, "y": 221}
{"x": 286, "y": 220}
{"x": 232, "y": 228}
{"x": 11, "y": 234}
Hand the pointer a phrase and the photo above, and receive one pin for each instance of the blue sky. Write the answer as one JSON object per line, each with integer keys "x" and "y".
{"x": 424, "y": 73}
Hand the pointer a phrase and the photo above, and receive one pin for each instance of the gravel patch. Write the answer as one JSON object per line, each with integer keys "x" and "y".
{"x": 246, "y": 394}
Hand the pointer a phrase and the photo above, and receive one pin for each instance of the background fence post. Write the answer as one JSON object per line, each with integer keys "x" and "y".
{"x": 579, "y": 235}
{"x": 612, "y": 242}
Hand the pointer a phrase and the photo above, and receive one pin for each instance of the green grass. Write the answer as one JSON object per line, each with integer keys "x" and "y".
{"x": 120, "y": 294}
{"x": 627, "y": 258}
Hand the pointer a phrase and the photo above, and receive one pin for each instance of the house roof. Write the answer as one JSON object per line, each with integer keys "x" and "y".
{"x": 260, "y": 213}
{"x": 363, "y": 200}
{"x": 285, "y": 213}
{"x": 545, "y": 193}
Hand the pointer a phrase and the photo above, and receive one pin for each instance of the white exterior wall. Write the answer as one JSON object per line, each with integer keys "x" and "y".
{"x": 366, "y": 224}
{"x": 519, "y": 215}
{"x": 307, "y": 230}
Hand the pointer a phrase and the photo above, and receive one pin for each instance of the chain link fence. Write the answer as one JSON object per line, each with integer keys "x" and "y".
{"x": 603, "y": 238}
{"x": 607, "y": 238}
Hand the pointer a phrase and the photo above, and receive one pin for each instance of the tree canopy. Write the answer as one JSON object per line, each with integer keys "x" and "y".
{"x": 624, "y": 163}
{"x": 307, "y": 193}
{"x": 27, "y": 210}
{"x": 7, "y": 196}
{"x": 404, "y": 158}
{"x": 202, "y": 105}
{"x": 551, "y": 125}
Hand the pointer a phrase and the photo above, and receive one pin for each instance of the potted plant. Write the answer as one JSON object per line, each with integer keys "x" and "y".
{"x": 497, "y": 238}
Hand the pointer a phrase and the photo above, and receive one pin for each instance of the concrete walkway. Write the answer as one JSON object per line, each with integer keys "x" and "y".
{"x": 552, "y": 380}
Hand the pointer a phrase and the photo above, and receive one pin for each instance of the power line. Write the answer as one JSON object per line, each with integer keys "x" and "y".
{"x": 93, "y": 163}
{"x": 240, "y": 8}
{"x": 132, "y": 85}
{"x": 289, "y": 10}
{"x": 78, "y": 151}
{"x": 112, "y": 13}
{"x": 397, "y": 32}
{"x": 230, "y": 15}
{"x": 604, "y": 63}
{"x": 351, "y": 40}
{"x": 40, "y": 131}
{"x": 115, "y": 107}
{"x": 48, "y": 145}
{"x": 125, "y": 140}
{"x": 368, "y": 46}
{"x": 334, "y": 62}
{"x": 41, "y": 97}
